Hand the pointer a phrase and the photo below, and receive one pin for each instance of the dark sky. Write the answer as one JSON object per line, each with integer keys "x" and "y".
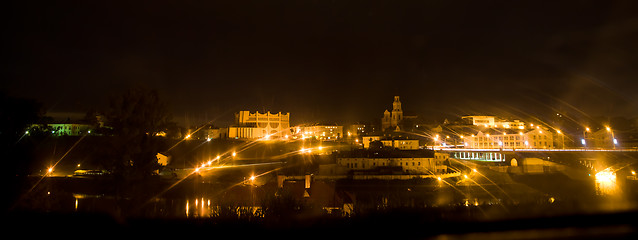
{"x": 328, "y": 60}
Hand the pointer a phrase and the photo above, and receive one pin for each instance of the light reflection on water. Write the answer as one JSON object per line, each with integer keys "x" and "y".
{"x": 496, "y": 197}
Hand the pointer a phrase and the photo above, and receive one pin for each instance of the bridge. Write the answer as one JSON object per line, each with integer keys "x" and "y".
{"x": 583, "y": 158}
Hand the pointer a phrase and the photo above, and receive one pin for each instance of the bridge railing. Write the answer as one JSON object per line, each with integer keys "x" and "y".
{"x": 534, "y": 150}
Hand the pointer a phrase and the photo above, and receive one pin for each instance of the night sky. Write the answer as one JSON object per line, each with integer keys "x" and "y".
{"x": 328, "y": 60}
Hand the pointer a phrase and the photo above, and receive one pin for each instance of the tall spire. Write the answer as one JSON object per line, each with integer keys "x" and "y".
{"x": 396, "y": 105}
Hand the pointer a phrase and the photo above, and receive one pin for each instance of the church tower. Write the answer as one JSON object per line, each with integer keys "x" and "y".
{"x": 394, "y": 118}
{"x": 397, "y": 113}
{"x": 386, "y": 120}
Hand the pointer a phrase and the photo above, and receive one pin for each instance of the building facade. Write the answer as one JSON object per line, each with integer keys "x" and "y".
{"x": 69, "y": 129}
{"x": 324, "y": 132}
{"x": 493, "y": 122}
{"x": 260, "y": 125}
{"x": 536, "y": 138}
{"x": 418, "y": 165}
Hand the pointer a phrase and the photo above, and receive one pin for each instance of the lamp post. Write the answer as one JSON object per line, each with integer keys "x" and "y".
{"x": 562, "y": 136}
{"x": 613, "y": 138}
{"x": 585, "y": 137}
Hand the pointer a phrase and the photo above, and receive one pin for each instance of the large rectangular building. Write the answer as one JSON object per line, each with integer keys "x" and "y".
{"x": 537, "y": 138}
{"x": 320, "y": 131}
{"x": 260, "y": 125}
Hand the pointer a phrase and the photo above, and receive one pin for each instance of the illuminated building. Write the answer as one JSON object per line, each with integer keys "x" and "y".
{"x": 493, "y": 122}
{"x": 260, "y": 125}
{"x": 366, "y": 140}
{"x": 409, "y": 163}
{"x": 401, "y": 144}
{"x": 69, "y": 129}
{"x": 536, "y": 138}
{"x": 320, "y": 131}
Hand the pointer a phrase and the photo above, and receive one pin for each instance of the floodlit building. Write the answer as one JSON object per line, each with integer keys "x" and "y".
{"x": 366, "y": 140}
{"x": 69, "y": 129}
{"x": 409, "y": 163}
{"x": 536, "y": 138}
{"x": 401, "y": 144}
{"x": 493, "y": 122}
{"x": 260, "y": 125}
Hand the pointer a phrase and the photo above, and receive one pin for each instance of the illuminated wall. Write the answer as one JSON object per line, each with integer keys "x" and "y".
{"x": 260, "y": 125}
{"x": 537, "y": 138}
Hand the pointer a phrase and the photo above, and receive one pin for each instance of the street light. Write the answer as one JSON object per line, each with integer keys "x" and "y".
{"x": 612, "y": 137}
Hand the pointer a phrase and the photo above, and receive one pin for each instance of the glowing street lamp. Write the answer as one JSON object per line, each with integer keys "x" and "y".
{"x": 613, "y": 138}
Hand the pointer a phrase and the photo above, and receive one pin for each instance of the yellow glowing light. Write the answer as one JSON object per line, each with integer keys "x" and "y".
{"x": 608, "y": 129}
{"x": 234, "y": 154}
{"x": 474, "y": 170}
{"x": 438, "y": 178}
{"x": 606, "y": 181}
{"x": 252, "y": 178}
{"x": 465, "y": 175}
{"x": 50, "y": 170}
{"x": 587, "y": 129}
{"x": 559, "y": 132}
{"x": 187, "y": 136}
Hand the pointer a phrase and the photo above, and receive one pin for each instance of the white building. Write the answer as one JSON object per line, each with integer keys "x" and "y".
{"x": 260, "y": 125}
{"x": 536, "y": 138}
{"x": 493, "y": 122}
